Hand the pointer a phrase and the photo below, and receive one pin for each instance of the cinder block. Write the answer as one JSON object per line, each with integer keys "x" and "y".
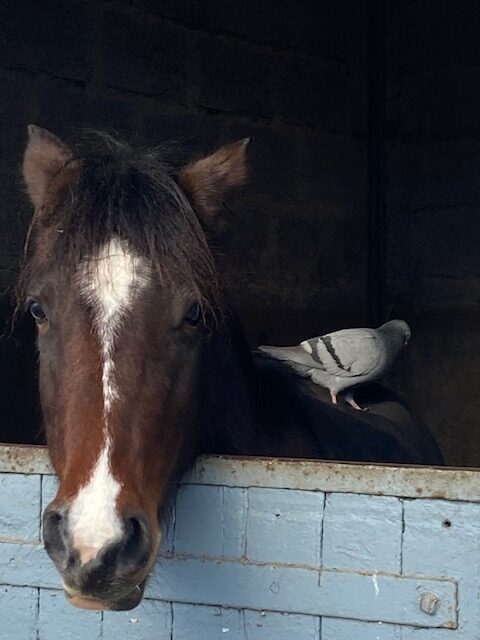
{"x": 65, "y": 106}
{"x": 234, "y": 73}
{"x": 58, "y": 619}
{"x": 19, "y": 507}
{"x": 49, "y": 489}
{"x": 27, "y": 564}
{"x": 18, "y": 613}
{"x": 443, "y": 539}
{"x": 146, "y": 55}
{"x": 149, "y": 621}
{"x": 284, "y": 526}
{"x": 362, "y": 532}
{"x": 287, "y": 27}
{"x": 52, "y": 37}
{"x": 263, "y": 625}
{"x": 420, "y": 39}
{"x": 298, "y": 88}
{"x": 206, "y": 623}
{"x": 336, "y": 629}
{"x": 210, "y": 521}
{"x": 167, "y": 527}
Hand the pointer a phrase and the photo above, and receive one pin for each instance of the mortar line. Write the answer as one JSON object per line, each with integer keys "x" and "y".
{"x": 41, "y": 509}
{"x": 402, "y": 536}
{"x": 322, "y": 531}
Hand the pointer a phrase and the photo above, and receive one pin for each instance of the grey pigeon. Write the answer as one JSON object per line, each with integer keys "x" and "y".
{"x": 346, "y": 358}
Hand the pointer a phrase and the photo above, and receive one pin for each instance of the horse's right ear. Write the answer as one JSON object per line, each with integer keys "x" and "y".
{"x": 45, "y": 155}
{"x": 206, "y": 181}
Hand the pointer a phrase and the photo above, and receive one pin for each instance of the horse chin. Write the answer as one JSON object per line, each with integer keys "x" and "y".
{"x": 129, "y": 600}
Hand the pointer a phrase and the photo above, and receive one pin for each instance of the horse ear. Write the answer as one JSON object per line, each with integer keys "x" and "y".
{"x": 208, "y": 180}
{"x": 45, "y": 155}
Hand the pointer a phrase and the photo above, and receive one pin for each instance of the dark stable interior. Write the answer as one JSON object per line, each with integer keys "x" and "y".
{"x": 363, "y": 199}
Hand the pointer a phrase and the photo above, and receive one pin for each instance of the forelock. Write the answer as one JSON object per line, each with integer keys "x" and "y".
{"x": 131, "y": 194}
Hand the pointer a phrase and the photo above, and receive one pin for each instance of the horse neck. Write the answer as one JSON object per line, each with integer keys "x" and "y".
{"x": 228, "y": 394}
{"x": 251, "y": 407}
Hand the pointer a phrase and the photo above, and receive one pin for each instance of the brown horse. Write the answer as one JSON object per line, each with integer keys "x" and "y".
{"x": 142, "y": 365}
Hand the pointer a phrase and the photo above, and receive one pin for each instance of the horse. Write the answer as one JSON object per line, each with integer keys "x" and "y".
{"x": 143, "y": 364}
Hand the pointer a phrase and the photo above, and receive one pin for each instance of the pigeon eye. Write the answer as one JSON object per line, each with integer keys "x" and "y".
{"x": 37, "y": 312}
{"x": 193, "y": 315}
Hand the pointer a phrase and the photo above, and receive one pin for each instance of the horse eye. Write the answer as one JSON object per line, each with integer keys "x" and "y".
{"x": 193, "y": 315}
{"x": 37, "y": 312}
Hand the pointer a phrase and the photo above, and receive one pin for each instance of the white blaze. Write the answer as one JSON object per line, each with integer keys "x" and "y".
{"x": 93, "y": 517}
{"x": 109, "y": 283}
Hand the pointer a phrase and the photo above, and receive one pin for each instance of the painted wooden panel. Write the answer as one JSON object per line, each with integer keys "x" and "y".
{"x": 287, "y": 557}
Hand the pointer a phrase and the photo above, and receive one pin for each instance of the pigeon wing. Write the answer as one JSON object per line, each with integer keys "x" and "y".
{"x": 292, "y": 355}
{"x": 350, "y": 353}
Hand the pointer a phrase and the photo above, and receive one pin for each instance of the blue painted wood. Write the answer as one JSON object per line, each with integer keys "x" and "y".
{"x": 284, "y": 526}
{"x": 254, "y": 563}
{"x": 337, "y": 629}
{"x": 149, "y": 621}
{"x": 18, "y": 613}
{"x": 444, "y": 537}
{"x": 19, "y": 507}
{"x": 214, "y": 623}
{"x": 57, "y": 619}
{"x": 27, "y": 564}
{"x": 294, "y": 589}
{"x": 260, "y": 625}
{"x": 217, "y": 623}
{"x": 362, "y": 532}
{"x": 210, "y": 521}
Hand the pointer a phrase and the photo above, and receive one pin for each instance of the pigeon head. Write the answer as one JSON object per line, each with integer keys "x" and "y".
{"x": 398, "y": 327}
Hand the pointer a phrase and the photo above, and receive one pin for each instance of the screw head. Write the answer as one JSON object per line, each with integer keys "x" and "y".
{"x": 429, "y": 603}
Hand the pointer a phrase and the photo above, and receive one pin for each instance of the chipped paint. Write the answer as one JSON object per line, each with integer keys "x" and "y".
{"x": 307, "y": 475}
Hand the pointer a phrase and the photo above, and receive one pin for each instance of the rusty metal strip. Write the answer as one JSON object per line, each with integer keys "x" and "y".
{"x": 17, "y": 458}
{"x": 311, "y": 475}
{"x": 308, "y": 475}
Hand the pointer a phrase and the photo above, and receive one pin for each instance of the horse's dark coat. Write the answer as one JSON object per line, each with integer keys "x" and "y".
{"x": 258, "y": 406}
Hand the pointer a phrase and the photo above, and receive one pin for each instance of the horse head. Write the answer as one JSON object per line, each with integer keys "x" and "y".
{"x": 124, "y": 290}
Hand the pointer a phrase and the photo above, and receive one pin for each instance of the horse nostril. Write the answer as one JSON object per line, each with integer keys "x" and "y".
{"x": 52, "y": 521}
{"x": 54, "y": 533}
{"x": 135, "y": 535}
{"x": 136, "y": 546}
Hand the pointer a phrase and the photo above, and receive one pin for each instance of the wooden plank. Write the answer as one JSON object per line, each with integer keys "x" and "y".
{"x": 305, "y": 590}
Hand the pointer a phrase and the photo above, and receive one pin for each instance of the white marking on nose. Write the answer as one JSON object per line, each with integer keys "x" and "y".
{"x": 109, "y": 283}
{"x": 93, "y": 518}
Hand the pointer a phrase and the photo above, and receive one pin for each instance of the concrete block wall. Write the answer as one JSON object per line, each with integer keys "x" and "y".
{"x": 248, "y": 558}
{"x": 292, "y": 75}
{"x": 433, "y": 212}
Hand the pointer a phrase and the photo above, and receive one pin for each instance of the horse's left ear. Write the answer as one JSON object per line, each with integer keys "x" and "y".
{"x": 207, "y": 181}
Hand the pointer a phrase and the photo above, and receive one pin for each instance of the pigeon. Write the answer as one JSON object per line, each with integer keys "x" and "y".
{"x": 346, "y": 358}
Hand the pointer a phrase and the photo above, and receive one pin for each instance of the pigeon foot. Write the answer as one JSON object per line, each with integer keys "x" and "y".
{"x": 351, "y": 401}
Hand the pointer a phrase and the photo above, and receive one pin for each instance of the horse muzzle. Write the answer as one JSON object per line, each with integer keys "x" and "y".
{"x": 128, "y": 600}
{"x": 112, "y": 577}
